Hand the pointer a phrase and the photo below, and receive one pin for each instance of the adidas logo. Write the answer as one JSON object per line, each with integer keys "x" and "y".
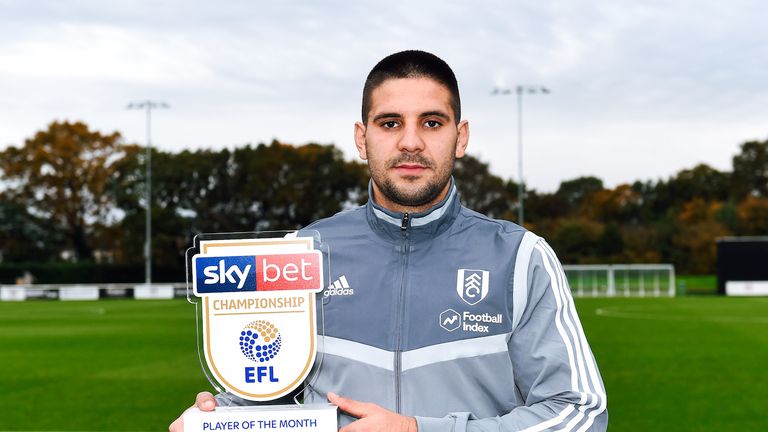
{"x": 339, "y": 287}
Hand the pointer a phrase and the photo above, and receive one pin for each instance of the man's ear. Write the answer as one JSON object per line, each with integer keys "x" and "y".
{"x": 462, "y": 140}
{"x": 360, "y": 140}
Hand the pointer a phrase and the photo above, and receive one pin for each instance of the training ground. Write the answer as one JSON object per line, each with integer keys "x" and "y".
{"x": 669, "y": 364}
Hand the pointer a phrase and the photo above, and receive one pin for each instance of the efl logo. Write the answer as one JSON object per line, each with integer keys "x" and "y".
{"x": 294, "y": 271}
{"x": 260, "y": 341}
{"x": 472, "y": 285}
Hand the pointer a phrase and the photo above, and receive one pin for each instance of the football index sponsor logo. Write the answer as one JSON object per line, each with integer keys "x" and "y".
{"x": 450, "y": 320}
{"x": 472, "y": 285}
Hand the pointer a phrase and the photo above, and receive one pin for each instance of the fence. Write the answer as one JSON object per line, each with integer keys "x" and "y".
{"x": 598, "y": 280}
{"x": 629, "y": 280}
{"x": 92, "y": 291}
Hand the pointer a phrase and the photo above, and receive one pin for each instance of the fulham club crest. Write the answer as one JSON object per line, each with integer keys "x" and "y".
{"x": 472, "y": 285}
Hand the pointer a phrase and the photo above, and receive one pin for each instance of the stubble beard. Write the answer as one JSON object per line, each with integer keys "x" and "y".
{"x": 418, "y": 196}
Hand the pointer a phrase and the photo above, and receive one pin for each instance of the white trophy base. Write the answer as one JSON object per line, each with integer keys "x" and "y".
{"x": 262, "y": 418}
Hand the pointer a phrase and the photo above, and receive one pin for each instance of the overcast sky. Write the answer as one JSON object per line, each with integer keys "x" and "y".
{"x": 639, "y": 89}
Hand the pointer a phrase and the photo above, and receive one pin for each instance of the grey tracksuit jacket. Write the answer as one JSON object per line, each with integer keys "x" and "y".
{"x": 462, "y": 321}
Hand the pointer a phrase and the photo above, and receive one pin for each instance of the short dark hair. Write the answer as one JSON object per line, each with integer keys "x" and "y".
{"x": 412, "y": 64}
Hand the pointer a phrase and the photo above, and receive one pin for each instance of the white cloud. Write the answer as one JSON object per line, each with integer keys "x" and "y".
{"x": 640, "y": 89}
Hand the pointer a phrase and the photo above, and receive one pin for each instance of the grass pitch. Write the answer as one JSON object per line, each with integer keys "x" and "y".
{"x": 682, "y": 364}
{"x": 103, "y": 365}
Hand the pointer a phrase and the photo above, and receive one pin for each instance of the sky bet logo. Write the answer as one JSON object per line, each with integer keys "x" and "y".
{"x": 228, "y": 273}
{"x": 294, "y": 271}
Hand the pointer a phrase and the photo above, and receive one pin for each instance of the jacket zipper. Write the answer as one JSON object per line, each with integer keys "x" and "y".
{"x": 400, "y": 309}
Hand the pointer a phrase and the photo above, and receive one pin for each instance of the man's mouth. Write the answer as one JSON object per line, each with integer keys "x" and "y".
{"x": 410, "y": 169}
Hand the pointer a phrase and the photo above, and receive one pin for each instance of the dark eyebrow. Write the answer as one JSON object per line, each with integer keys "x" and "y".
{"x": 440, "y": 114}
{"x": 386, "y": 115}
{"x": 436, "y": 114}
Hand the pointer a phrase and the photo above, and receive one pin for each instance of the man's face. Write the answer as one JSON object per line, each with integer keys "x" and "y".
{"x": 410, "y": 142}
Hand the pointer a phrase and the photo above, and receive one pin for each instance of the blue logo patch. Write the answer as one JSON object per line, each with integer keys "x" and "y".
{"x": 224, "y": 274}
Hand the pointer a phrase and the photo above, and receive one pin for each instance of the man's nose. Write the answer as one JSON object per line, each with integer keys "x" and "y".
{"x": 411, "y": 139}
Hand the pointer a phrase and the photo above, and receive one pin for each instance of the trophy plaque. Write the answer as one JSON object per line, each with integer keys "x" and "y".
{"x": 257, "y": 324}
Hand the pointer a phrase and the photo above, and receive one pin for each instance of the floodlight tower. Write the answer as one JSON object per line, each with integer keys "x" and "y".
{"x": 148, "y": 106}
{"x": 519, "y": 90}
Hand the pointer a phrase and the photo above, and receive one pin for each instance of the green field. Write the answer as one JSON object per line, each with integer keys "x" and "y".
{"x": 697, "y": 284}
{"x": 106, "y": 365}
{"x": 680, "y": 364}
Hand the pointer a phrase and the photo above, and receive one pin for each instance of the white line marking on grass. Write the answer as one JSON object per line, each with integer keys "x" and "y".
{"x": 616, "y": 312}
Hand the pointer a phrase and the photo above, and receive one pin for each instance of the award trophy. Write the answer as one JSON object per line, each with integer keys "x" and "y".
{"x": 258, "y": 322}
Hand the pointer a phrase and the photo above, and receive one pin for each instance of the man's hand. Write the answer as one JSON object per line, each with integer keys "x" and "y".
{"x": 204, "y": 402}
{"x": 372, "y": 418}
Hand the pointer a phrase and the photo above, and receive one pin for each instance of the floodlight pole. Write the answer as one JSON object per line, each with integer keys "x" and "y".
{"x": 519, "y": 90}
{"x": 148, "y": 106}
{"x": 521, "y": 181}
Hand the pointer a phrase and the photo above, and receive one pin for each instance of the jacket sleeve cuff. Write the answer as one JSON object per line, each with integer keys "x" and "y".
{"x": 433, "y": 424}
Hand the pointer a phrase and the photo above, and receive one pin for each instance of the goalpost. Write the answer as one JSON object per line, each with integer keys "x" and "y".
{"x": 627, "y": 280}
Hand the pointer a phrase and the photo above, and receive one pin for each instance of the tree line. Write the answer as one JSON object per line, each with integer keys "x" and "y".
{"x": 70, "y": 193}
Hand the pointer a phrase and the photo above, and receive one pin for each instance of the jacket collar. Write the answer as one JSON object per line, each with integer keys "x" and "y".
{"x": 428, "y": 223}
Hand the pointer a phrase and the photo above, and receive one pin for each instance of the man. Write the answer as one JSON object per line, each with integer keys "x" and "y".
{"x": 454, "y": 321}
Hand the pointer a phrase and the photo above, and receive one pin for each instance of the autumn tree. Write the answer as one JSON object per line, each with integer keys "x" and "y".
{"x": 280, "y": 186}
{"x": 266, "y": 187}
{"x": 72, "y": 188}
{"x": 25, "y": 237}
{"x": 182, "y": 184}
{"x": 750, "y": 170}
{"x": 481, "y": 190}
{"x": 618, "y": 205}
{"x": 575, "y": 190}
{"x": 543, "y": 208}
{"x": 753, "y": 216}
{"x": 694, "y": 239}
{"x": 701, "y": 181}
{"x": 60, "y": 175}
{"x": 577, "y": 240}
